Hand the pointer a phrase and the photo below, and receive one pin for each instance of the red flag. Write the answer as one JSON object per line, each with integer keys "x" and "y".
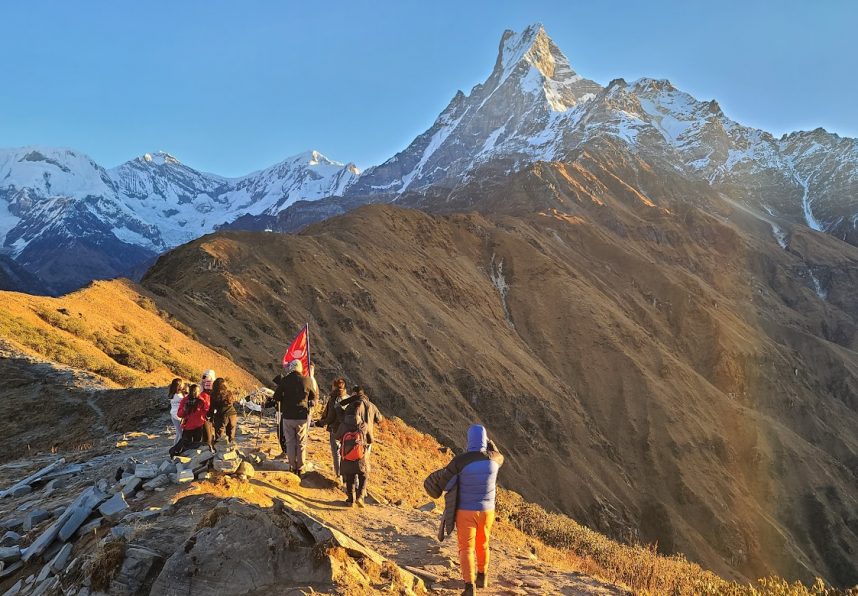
{"x": 299, "y": 349}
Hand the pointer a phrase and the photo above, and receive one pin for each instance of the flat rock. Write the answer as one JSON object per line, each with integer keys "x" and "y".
{"x": 114, "y": 508}
{"x": 20, "y": 491}
{"x": 12, "y": 523}
{"x": 34, "y": 518}
{"x": 11, "y": 569}
{"x": 59, "y": 562}
{"x": 90, "y": 526}
{"x": 184, "y": 476}
{"x": 143, "y": 515}
{"x": 226, "y": 466}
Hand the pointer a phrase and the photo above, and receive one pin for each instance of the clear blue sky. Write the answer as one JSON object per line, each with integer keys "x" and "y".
{"x": 231, "y": 87}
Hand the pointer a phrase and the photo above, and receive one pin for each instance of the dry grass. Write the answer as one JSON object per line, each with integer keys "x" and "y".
{"x": 113, "y": 331}
{"x": 104, "y": 564}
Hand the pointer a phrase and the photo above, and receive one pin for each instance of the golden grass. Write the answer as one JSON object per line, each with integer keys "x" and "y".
{"x": 113, "y": 331}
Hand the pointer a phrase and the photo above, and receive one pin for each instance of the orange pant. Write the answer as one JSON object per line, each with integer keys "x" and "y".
{"x": 473, "y": 529}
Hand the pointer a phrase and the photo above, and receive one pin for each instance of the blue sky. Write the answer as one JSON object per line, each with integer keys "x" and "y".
{"x": 231, "y": 87}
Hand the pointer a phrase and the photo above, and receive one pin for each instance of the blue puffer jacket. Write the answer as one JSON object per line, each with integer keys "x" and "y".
{"x": 478, "y": 479}
{"x": 469, "y": 480}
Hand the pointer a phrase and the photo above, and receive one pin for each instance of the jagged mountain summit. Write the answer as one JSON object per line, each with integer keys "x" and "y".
{"x": 535, "y": 107}
{"x": 69, "y": 220}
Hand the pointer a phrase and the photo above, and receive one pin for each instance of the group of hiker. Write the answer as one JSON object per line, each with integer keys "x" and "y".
{"x": 202, "y": 413}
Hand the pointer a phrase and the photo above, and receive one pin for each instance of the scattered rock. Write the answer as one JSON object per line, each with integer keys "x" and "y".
{"x": 139, "y": 564}
{"x": 15, "y": 589}
{"x": 10, "y": 538}
{"x": 34, "y": 518}
{"x": 114, "y": 507}
{"x": 430, "y": 506}
{"x": 19, "y": 491}
{"x": 80, "y": 513}
{"x": 132, "y": 486}
{"x": 157, "y": 482}
{"x": 121, "y": 532}
{"x": 167, "y": 467}
{"x": 245, "y": 470}
{"x": 10, "y": 554}
{"x": 11, "y": 569}
{"x": 90, "y": 498}
{"x": 143, "y": 515}
{"x": 12, "y": 523}
{"x": 227, "y": 456}
{"x": 184, "y": 476}
{"x": 226, "y": 466}
{"x": 90, "y": 526}
{"x": 59, "y": 562}
{"x": 146, "y": 471}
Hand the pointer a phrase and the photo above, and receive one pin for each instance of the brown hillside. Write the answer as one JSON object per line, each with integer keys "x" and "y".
{"x": 114, "y": 330}
{"x": 661, "y": 372}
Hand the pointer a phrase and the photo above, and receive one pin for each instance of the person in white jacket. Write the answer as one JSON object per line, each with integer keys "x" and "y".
{"x": 176, "y": 393}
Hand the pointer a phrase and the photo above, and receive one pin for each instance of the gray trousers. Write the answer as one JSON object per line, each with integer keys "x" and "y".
{"x": 335, "y": 454}
{"x": 295, "y": 436}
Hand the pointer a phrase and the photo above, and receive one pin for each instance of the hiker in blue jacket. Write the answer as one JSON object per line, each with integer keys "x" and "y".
{"x": 470, "y": 484}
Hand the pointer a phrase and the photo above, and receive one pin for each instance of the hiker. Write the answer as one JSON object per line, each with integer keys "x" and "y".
{"x": 224, "y": 417}
{"x": 369, "y": 413}
{"x": 206, "y": 384}
{"x": 176, "y": 393}
{"x": 295, "y": 396}
{"x": 330, "y": 422}
{"x": 193, "y": 410}
{"x": 352, "y": 434}
{"x": 470, "y": 483}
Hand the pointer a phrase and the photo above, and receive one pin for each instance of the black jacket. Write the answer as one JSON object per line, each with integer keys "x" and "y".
{"x": 295, "y": 396}
{"x": 329, "y": 416}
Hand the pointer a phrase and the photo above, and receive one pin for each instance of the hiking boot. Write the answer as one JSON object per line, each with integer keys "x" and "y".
{"x": 469, "y": 590}
{"x": 350, "y": 503}
{"x": 482, "y": 581}
{"x": 360, "y": 503}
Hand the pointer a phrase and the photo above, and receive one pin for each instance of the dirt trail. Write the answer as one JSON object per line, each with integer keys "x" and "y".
{"x": 407, "y": 535}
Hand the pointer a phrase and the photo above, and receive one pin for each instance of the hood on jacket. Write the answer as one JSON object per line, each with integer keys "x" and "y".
{"x": 477, "y": 440}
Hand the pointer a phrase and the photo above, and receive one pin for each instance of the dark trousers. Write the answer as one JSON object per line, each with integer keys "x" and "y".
{"x": 192, "y": 437}
{"x": 225, "y": 425}
{"x": 355, "y": 481}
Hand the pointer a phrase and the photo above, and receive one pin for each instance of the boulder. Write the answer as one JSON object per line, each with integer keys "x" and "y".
{"x": 10, "y": 538}
{"x": 138, "y": 570}
{"x": 246, "y": 470}
{"x": 146, "y": 471}
{"x": 167, "y": 467}
{"x": 157, "y": 482}
{"x": 226, "y": 466}
{"x": 132, "y": 486}
{"x": 114, "y": 508}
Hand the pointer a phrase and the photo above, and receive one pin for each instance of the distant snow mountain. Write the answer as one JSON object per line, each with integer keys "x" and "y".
{"x": 535, "y": 107}
{"x": 532, "y": 107}
{"x": 53, "y": 201}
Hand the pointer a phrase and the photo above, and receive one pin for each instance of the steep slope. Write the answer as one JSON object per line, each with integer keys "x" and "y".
{"x": 114, "y": 331}
{"x": 659, "y": 366}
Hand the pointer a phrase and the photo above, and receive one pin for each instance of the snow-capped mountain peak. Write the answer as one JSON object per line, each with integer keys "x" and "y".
{"x": 159, "y": 158}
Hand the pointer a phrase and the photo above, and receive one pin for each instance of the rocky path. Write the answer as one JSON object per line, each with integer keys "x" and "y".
{"x": 164, "y": 518}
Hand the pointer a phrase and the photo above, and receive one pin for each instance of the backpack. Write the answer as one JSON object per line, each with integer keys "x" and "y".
{"x": 353, "y": 443}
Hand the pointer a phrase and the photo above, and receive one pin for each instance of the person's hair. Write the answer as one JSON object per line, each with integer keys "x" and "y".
{"x": 193, "y": 399}
{"x": 358, "y": 390}
{"x": 220, "y": 390}
{"x": 175, "y": 386}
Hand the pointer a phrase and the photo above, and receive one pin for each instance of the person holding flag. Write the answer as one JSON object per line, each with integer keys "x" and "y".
{"x": 295, "y": 396}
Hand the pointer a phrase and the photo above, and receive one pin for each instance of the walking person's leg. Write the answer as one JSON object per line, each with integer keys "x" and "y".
{"x": 301, "y": 432}
{"x": 177, "y": 424}
{"x": 360, "y": 494}
{"x": 231, "y": 425}
{"x": 350, "y": 487}
{"x": 290, "y": 436}
{"x": 335, "y": 454}
{"x": 466, "y": 533}
{"x": 484, "y": 529}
